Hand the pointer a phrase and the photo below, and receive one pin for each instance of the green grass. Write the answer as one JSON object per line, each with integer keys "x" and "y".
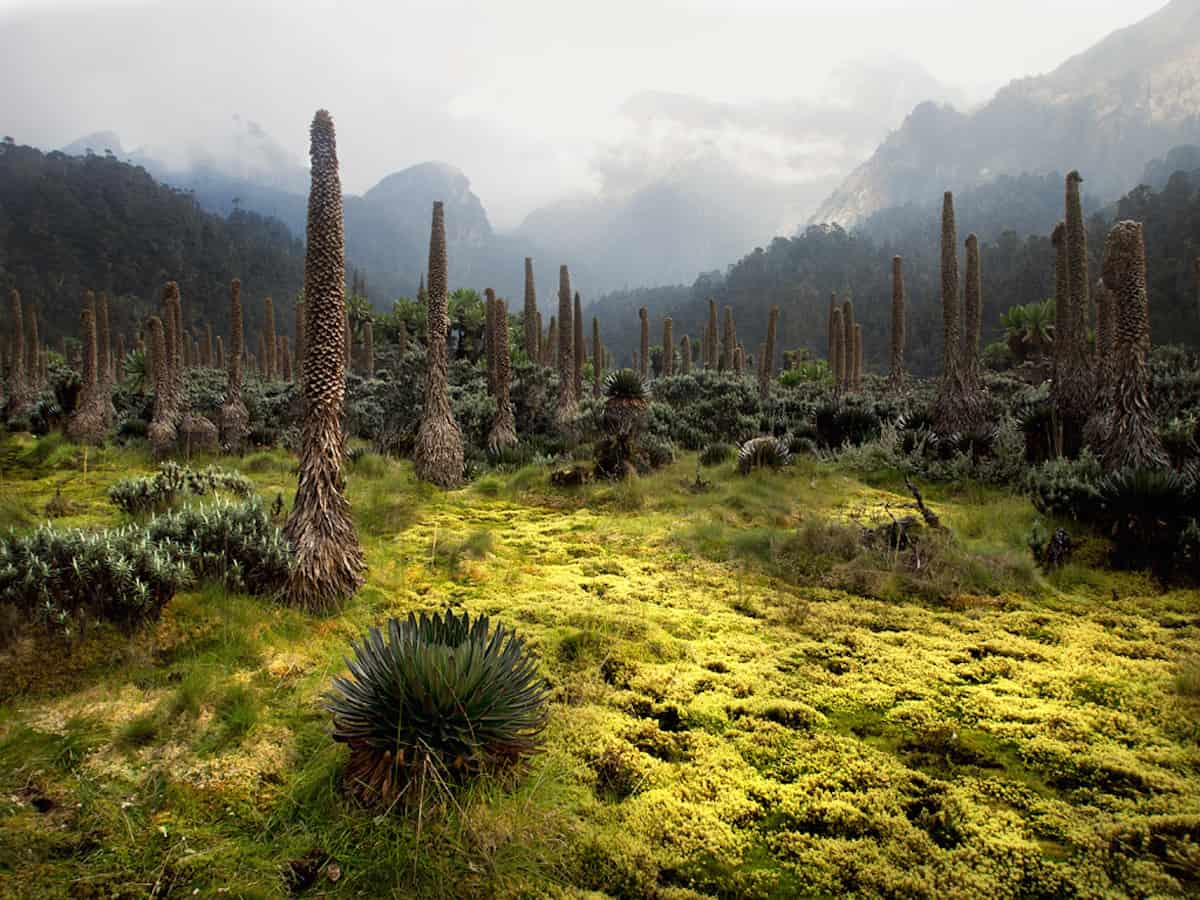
{"x": 747, "y": 701}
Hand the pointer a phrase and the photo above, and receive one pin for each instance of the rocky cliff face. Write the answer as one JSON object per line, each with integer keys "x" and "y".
{"x": 1106, "y": 112}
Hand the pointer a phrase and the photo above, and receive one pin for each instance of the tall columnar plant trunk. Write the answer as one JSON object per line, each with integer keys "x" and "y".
{"x": 838, "y": 365}
{"x": 644, "y": 346}
{"x": 301, "y": 321}
{"x": 847, "y": 344}
{"x": 220, "y": 358}
{"x": 668, "y": 348}
{"x": 106, "y": 373}
{"x": 1095, "y": 432}
{"x": 504, "y": 426}
{"x": 175, "y": 352}
{"x": 104, "y": 367}
{"x": 767, "y": 364}
{"x": 597, "y": 358}
{"x": 1075, "y": 393}
{"x": 208, "y": 345}
{"x": 896, "y": 376}
{"x": 1062, "y": 308}
{"x": 161, "y": 431}
{"x": 951, "y": 408}
{"x": 567, "y": 401}
{"x": 288, "y": 370}
{"x": 328, "y": 564}
{"x": 368, "y": 349}
{"x": 685, "y": 355}
{"x": 271, "y": 361}
{"x": 579, "y": 347}
{"x": 550, "y": 351}
{"x": 727, "y": 342}
{"x": 712, "y": 351}
{"x": 20, "y": 397}
{"x": 1060, "y": 386}
{"x": 235, "y": 418}
{"x": 86, "y": 424}
{"x": 489, "y": 338}
{"x": 1131, "y": 440}
{"x": 858, "y": 356}
{"x": 533, "y": 325}
{"x": 540, "y": 356}
{"x": 264, "y": 361}
{"x": 33, "y": 359}
{"x": 438, "y": 454}
{"x": 972, "y": 317}
{"x": 833, "y": 305}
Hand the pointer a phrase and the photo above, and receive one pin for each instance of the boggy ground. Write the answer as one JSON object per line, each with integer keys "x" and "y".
{"x": 745, "y": 703}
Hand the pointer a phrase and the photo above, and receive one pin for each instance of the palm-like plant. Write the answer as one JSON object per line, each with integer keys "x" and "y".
{"x": 136, "y": 371}
{"x": 439, "y": 697}
{"x": 1029, "y": 329}
{"x": 763, "y": 452}
{"x": 625, "y": 404}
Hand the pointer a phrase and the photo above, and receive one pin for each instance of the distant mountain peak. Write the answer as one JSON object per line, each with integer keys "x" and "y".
{"x": 1105, "y": 111}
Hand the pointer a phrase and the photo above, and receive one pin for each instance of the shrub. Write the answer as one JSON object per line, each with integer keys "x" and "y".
{"x": 236, "y": 544}
{"x": 761, "y": 452}
{"x": 709, "y": 406}
{"x": 657, "y": 451}
{"x": 63, "y": 578}
{"x": 440, "y": 696}
{"x": 160, "y": 491}
{"x": 1067, "y": 488}
{"x": 716, "y": 453}
{"x": 1146, "y": 511}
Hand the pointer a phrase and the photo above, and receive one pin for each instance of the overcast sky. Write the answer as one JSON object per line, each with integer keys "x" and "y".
{"x": 525, "y": 96}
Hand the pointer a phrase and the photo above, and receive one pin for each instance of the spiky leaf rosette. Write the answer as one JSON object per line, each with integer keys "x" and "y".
{"x": 328, "y": 560}
{"x": 763, "y": 452}
{"x": 626, "y": 403}
{"x": 438, "y": 695}
{"x": 438, "y": 454}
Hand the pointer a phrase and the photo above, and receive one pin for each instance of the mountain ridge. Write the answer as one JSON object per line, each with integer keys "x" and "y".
{"x": 1104, "y": 118}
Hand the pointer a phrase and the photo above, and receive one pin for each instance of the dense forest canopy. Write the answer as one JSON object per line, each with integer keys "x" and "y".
{"x": 799, "y": 273}
{"x": 74, "y": 223}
